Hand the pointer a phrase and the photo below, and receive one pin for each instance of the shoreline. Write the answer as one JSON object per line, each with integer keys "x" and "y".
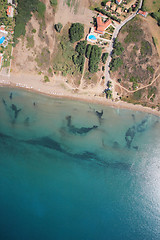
{"x": 47, "y": 90}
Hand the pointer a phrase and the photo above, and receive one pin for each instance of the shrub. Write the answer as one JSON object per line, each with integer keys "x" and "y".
{"x": 104, "y": 57}
{"x": 81, "y": 47}
{"x": 146, "y": 48}
{"x": 76, "y": 32}
{"x": 53, "y": 3}
{"x": 46, "y": 79}
{"x": 115, "y": 64}
{"x": 94, "y": 58}
{"x": 88, "y": 50}
{"x": 58, "y": 26}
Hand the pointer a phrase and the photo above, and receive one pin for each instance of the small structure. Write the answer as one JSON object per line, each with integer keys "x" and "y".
{"x": 102, "y": 26}
{"x": 144, "y": 14}
{"x": 108, "y": 4}
{"x": 1, "y": 58}
{"x": 10, "y": 11}
{"x": 119, "y": 2}
{"x": 10, "y": 2}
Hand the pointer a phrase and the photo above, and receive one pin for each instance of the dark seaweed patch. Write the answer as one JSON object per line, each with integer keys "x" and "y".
{"x": 75, "y": 130}
{"x": 130, "y": 135}
{"x": 46, "y": 142}
{"x": 99, "y": 114}
{"x": 142, "y": 126}
{"x": 16, "y": 110}
{"x": 10, "y": 96}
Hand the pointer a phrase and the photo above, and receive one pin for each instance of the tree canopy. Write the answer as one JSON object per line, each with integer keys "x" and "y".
{"x": 76, "y": 32}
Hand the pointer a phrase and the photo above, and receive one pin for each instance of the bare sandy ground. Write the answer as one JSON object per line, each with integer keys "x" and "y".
{"x": 78, "y": 12}
{"x": 58, "y": 88}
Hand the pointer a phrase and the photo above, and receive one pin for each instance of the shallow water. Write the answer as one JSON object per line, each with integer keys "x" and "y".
{"x": 67, "y": 173}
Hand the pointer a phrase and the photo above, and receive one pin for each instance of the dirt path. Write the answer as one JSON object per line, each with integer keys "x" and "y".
{"x": 133, "y": 91}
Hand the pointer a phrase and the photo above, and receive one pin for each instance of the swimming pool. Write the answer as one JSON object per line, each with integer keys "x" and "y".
{"x": 2, "y": 40}
{"x": 92, "y": 37}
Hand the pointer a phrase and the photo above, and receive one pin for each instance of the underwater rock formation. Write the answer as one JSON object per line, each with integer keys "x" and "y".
{"x": 16, "y": 110}
{"x": 75, "y": 130}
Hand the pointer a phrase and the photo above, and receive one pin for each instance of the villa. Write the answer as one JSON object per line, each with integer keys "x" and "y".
{"x": 102, "y": 26}
{"x": 144, "y": 14}
{"x": 10, "y": 11}
{"x": 119, "y": 2}
{"x": 1, "y": 58}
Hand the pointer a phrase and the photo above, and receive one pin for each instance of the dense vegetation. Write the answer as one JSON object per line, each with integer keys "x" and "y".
{"x": 76, "y": 32}
{"x": 116, "y": 62}
{"x": 79, "y": 58}
{"x": 156, "y": 15}
{"x": 88, "y": 50}
{"x": 4, "y": 19}
{"x": 134, "y": 32}
{"x": 108, "y": 14}
{"x": 25, "y": 7}
{"x": 104, "y": 57}
{"x": 117, "y": 48}
{"x": 94, "y": 58}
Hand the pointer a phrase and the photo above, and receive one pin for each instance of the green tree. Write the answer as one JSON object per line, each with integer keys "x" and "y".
{"x": 41, "y": 8}
{"x": 104, "y": 57}
{"x": 81, "y": 47}
{"x": 88, "y": 50}
{"x": 58, "y": 26}
{"x": 94, "y": 58}
{"x": 76, "y": 32}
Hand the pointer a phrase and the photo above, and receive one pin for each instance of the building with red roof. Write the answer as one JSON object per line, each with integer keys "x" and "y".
{"x": 10, "y": 10}
{"x": 119, "y": 2}
{"x": 102, "y": 26}
{"x": 144, "y": 14}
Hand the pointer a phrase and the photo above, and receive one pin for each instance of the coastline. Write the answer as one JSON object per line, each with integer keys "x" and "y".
{"x": 24, "y": 81}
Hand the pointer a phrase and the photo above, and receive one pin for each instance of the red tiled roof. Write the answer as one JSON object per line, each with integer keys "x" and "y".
{"x": 141, "y": 12}
{"x": 101, "y": 26}
{"x": 9, "y": 10}
{"x": 118, "y": 1}
{"x": 2, "y": 28}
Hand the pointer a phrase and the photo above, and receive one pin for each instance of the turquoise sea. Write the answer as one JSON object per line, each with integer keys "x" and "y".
{"x": 73, "y": 170}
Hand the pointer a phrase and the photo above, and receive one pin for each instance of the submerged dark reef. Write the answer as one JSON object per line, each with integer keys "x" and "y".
{"x": 48, "y": 142}
{"x": 132, "y": 131}
{"x": 75, "y": 130}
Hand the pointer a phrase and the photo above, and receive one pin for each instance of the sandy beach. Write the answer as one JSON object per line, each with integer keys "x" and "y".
{"x": 59, "y": 88}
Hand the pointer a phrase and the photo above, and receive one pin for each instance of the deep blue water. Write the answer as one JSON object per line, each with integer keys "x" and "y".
{"x": 67, "y": 172}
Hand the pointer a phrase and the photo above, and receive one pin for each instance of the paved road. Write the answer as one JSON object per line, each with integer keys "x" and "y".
{"x": 110, "y": 48}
